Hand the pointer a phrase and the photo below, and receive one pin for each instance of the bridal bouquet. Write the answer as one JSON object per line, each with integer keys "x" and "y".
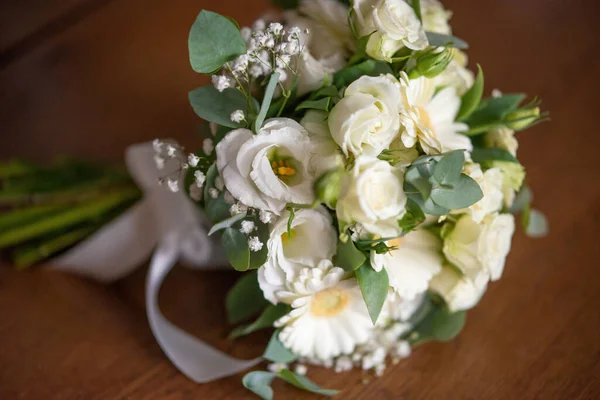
{"x": 356, "y": 174}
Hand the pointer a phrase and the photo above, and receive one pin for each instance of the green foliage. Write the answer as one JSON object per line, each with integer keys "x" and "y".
{"x": 460, "y": 194}
{"x": 431, "y": 63}
{"x": 534, "y": 223}
{"x": 348, "y": 256}
{"x": 347, "y": 75}
{"x": 259, "y": 382}
{"x": 216, "y": 209}
{"x": 286, "y": 4}
{"x": 214, "y": 106}
{"x": 413, "y": 217}
{"x": 268, "y": 96}
{"x": 236, "y": 248}
{"x": 433, "y": 321}
{"x": 483, "y": 156}
{"x": 258, "y": 258}
{"x": 323, "y": 104}
{"x": 471, "y": 99}
{"x": 244, "y": 299}
{"x": 226, "y": 223}
{"x": 271, "y": 314}
{"x": 416, "y": 5}
{"x": 302, "y": 382}
{"x": 213, "y": 40}
{"x": 439, "y": 39}
{"x": 374, "y": 287}
{"x": 277, "y": 352}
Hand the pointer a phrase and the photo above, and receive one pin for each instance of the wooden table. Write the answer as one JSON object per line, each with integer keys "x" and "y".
{"x": 89, "y": 77}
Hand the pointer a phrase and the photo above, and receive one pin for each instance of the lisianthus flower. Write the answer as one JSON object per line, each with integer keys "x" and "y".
{"x": 460, "y": 292}
{"x": 456, "y": 74}
{"x": 311, "y": 238}
{"x": 326, "y": 154}
{"x": 435, "y": 17}
{"x": 491, "y": 184}
{"x": 329, "y": 316}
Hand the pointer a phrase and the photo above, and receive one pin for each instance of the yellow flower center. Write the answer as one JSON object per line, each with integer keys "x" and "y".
{"x": 329, "y": 302}
{"x": 424, "y": 118}
{"x": 285, "y": 236}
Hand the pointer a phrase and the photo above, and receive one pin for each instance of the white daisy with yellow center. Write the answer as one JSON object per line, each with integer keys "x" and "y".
{"x": 428, "y": 118}
{"x": 328, "y": 316}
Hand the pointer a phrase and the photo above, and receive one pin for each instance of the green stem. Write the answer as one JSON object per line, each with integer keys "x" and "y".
{"x": 89, "y": 210}
{"x": 26, "y": 215}
{"x": 286, "y": 95}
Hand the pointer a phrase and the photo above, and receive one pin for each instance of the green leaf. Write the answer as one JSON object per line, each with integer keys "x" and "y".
{"x": 492, "y": 111}
{"x": 258, "y": 258}
{"x": 226, "y": 223}
{"x": 302, "y": 382}
{"x": 259, "y": 382}
{"x": 214, "y": 106}
{"x": 374, "y": 287}
{"x": 286, "y": 4}
{"x": 439, "y": 39}
{"x": 268, "y": 96}
{"x": 216, "y": 209}
{"x": 213, "y": 40}
{"x": 322, "y": 104}
{"x": 537, "y": 224}
{"x": 413, "y": 217}
{"x": 461, "y": 194}
{"x": 471, "y": 99}
{"x": 347, "y": 75}
{"x": 416, "y": 5}
{"x": 348, "y": 256}
{"x": 480, "y": 155}
{"x": 277, "y": 352}
{"x": 236, "y": 248}
{"x": 244, "y": 299}
{"x": 327, "y": 91}
{"x": 271, "y": 314}
{"x": 439, "y": 324}
{"x": 522, "y": 200}
{"x": 447, "y": 171}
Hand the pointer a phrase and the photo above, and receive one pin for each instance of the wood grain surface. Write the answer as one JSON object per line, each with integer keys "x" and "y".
{"x": 91, "y": 77}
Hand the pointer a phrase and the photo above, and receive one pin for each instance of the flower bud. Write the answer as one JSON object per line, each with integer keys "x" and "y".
{"x": 327, "y": 186}
{"x": 522, "y": 118}
{"x": 432, "y": 63}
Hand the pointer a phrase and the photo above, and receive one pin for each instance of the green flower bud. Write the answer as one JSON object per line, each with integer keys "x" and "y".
{"x": 522, "y": 118}
{"x": 432, "y": 63}
{"x": 327, "y": 186}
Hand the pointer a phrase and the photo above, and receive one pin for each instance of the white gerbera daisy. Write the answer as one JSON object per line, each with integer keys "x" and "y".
{"x": 428, "y": 117}
{"x": 329, "y": 316}
{"x": 411, "y": 266}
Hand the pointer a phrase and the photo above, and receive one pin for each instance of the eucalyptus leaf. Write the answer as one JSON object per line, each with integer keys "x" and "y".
{"x": 471, "y": 99}
{"x": 271, "y": 314}
{"x": 277, "y": 352}
{"x": 439, "y": 39}
{"x": 259, "y": 382}
{"x": 216, "y": 209}
{"x": 214, "y": 106}
{"x": 439, "y": 325}
{"x": 245, "y": 299}
{"x": 348, "y": 256}
{"x": 226, "y": 223}
{"x": 213, "y": 40}
{"x": 268, "y": 96}
{"x": 258, "y": 258}
{"x": 347, "y": 75}
{"x": 374, "y": 287}
{"x": 321, "y": 104}
{"x": 461, "y": 194}
{"x": 480, "y": 155}
{"x": 236, "y": 248}
{"x": 413, "y": 217}
{"x": 448, "y": 169}
{"x": 522, "y": 200}
{"x": 537, "y": 224}
{"x": 302, "y": 382}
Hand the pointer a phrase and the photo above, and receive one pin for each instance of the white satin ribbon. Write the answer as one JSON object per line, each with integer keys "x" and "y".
{"x": 173, "y": 225}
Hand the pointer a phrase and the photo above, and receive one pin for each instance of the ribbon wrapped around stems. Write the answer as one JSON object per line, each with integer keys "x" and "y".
{"x": 172, "y": 227}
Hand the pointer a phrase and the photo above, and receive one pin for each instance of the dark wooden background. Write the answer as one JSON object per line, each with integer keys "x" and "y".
{"x": 90, "y": 77}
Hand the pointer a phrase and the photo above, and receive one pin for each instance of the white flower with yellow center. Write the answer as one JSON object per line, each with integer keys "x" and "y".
{"x": 429, "y": 117}
{"x": 373, "y": 196}
{"x": 367, "y": 119}
{"x": 410, "y": 267}
{"x": 326, "y": 154}
{"x": 329, "y": 316}
{"x": 459, "y": 291}
{"x": 311, "y": 238}
{"x": 269, "y": 169}
{"x": 456, "y": 74}
{"x": 491, "y": 184}
{"x": 477, "y": 248}
{"x": 392, "y": 25}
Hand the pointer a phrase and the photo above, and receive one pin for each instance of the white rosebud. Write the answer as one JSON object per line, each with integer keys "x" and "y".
{"x": 459, "y": 292}
{"x": 254, "y": 244}
{"x": 208, "y": 146}
{"x": 237, "y": 116}
{"x": 247, "y": 227}
{"x": 373, "y": 196}
{"x": 193, "y": 160}
{"x": 200, "y": 178}
{"x": 435, "y": 17}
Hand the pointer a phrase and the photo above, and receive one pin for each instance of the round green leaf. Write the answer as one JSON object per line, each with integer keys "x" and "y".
{"x": 374, "y": 287}
{"x": 235, "y": 245}
{"x": 214, "y": 106}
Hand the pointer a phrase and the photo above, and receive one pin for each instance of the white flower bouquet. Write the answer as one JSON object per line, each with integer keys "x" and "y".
{"x": 356, "y": 175}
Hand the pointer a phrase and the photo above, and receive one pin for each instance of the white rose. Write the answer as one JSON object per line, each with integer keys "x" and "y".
{"x": 435, "y": 17}
{"x": 366, "y": 119}
{"x": 395, "y": 25}
{"x": 312, "y": 238}
{"x": 475, "y": 248}
{"x": 459, "y": 292}
{"x": 373, "y": 196}
{"x": 326, "y": 154}
{"x": 269, "y": 169}
{"x": 491, "y": 184}
{"x": 415, "y": 261}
